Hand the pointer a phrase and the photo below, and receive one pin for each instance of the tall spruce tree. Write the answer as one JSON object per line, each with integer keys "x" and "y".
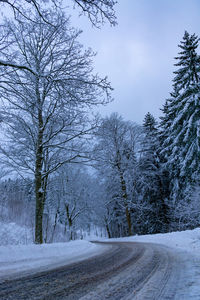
{"x": 186, "y": 108}
{"x": 151, "y": 183}
{"x": 171, "y": 169}
{"x": 180, "y": 124}
{"x": 182, "y": 146}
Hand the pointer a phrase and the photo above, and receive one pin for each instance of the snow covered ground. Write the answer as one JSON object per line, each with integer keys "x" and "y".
{"x": 187, "y": 245}
{"x": 19, "y": 260}
{"x": 188, "y": 240}
{"x": 19, "y": 256}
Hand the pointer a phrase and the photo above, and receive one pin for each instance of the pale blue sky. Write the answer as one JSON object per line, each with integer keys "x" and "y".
{"x": 138, "y": 54}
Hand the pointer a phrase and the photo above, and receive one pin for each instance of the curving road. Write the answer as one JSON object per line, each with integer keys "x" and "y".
{"x": 126, "y": 270}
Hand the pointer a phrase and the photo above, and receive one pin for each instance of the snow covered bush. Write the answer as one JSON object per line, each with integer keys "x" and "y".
{"x": 13, "y": 234}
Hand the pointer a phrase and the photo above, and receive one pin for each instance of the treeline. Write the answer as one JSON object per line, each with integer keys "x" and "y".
{"x": 81, "y": 171}
{"x": 153, "y": 185}
{"x": 70, "y": 210}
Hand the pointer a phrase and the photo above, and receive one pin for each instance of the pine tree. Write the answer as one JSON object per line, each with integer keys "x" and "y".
{"x": 151, "y": 182}
{"x": 180, "y": 125}
{"x": 188, "y": 61}
{"x": 182, "y": 145}
{"x": 171, "y": 169}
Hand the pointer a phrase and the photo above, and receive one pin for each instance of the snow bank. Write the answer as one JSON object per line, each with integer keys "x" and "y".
{"x": 188, "y": 240}
{"x": 23, "y": 259}
{"x": 187, "y": 246}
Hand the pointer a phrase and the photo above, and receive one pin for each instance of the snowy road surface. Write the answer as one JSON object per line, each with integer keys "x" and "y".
{"x": 126, "y": 270}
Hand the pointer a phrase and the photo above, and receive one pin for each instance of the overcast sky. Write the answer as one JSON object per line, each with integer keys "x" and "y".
{"x": 138, "y": 54}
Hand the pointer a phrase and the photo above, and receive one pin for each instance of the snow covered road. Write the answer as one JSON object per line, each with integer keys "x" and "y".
{"x": 125, "y": 270}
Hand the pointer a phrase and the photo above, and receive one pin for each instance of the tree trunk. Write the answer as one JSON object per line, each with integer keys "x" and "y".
{"x": 128, "y": 218}
{"x": 70, "y": 233}
{"x": 108, "y": 231}
{"x": 54, "y": 226}
{"x": 47, "y": 228}
{"x": 39, "y": 195}
{"x": 39, "y": 187}
{"x": 69, "y": 219}
{"x": 107, "y": 228}
{"x": 39, "y": 213}
{"x": 124, "y": 195}
{"x": 70, "y": 229}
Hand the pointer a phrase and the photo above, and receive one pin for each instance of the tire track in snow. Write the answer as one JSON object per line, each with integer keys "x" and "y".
{"x": 127, "y": 271}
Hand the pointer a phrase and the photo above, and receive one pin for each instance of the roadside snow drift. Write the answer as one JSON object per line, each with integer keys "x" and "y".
{"x": 188, "y": 240}
{"x": 23, "y": 259}
{"x": 186, "y": 245}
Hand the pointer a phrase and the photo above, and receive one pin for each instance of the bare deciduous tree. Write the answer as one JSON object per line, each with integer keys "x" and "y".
{"x": 98, "y": 11}
{"x": 115, "y": 153}
{"x": 45, "y": 110}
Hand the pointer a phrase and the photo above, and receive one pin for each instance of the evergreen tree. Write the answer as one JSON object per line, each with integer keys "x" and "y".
{"x": 182, "y": 145}
{"x": 167, "y": 136}
{"x": 151, "y": 182}
{"x": 180, "y": 124}
{"x": 188, "y": 61}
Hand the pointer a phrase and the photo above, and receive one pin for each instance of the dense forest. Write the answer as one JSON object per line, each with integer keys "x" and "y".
{"x": 65, "y": 169}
